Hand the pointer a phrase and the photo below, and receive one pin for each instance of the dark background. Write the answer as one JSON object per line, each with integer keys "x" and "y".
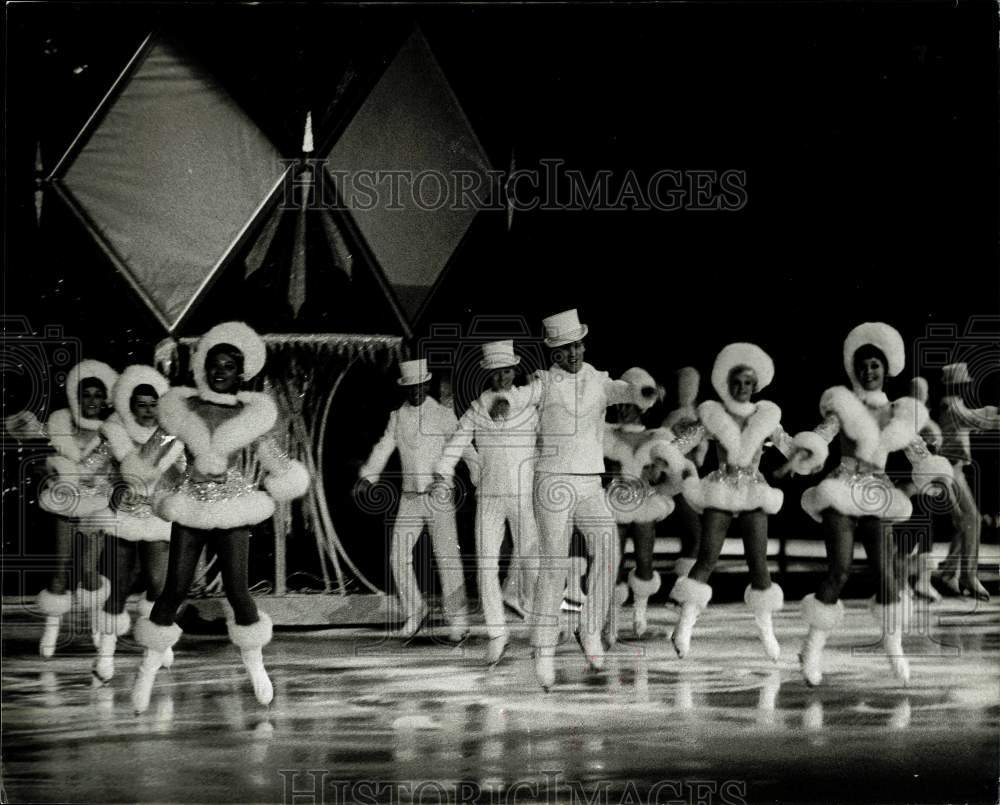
{"x": 867, "y": 132}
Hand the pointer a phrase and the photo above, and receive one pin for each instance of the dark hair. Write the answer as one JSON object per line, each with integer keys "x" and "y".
{"x": 144, "y": 390}
{"x": 866, "y": 351}
{"x": 91, "y": 382}
{"x": 226, "y": 349}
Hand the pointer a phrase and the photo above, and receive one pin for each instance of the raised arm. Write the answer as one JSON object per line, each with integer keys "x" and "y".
{"x": 621, "y": 391}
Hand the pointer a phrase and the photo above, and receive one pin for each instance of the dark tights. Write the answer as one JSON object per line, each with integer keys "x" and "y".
{"x": 151, "y": 569}
{"x": 839, "y": 531}
{"x": 753, "y": 528}
{"x": 83, "y": 543}
{"x": 690, "y": 522}
{"x": 643, "y": 539}
{"x": 232, "y": 549}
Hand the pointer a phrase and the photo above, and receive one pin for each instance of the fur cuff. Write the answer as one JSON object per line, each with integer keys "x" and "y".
{"x": 644, "y": 588}
{"x": 689, "y": 591}
{"x": 256, "y": 635}
{"x": 290, "y": 484}
{"x": 90, "y": 599}
{"x": 817, "y": 451}
{"x": 54, "y": 604}
{"x": 826, "y": 617}
{"x": 248, "y": 509}
{"x": 770, "y": 600}
{"x": 155, "y": 637}
{"x": 116, "y": 623}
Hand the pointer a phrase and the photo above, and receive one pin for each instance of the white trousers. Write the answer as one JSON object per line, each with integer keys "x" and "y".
{"x": 416, "y": 512}
{"x": 492, "y": 512}
{"x": 562, "y": 502}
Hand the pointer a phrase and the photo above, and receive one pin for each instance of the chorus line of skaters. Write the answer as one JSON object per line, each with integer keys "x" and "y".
{"x": 537, "y": 454}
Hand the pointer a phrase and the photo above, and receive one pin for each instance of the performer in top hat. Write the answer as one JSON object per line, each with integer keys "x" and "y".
{"x": 503, "y": 423}
{"x": 78, "y": 491}
{"x": 573, "y": 397}
{"x": 138, "y": 532}
{"x": 736, "y": 492}
{"x": 213, "y": 501}
{"x": 857, "y": 498}
{"x": 420, "y": 429}
{"x": 959, "y": 571}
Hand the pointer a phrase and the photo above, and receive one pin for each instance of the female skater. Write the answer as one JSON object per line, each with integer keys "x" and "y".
{"x": 641, "y": 494}
{"x": 857, "y": 498}
{"x": 138, "y": 532}
{"x": 77, "y": 492}
{"x": 214, "y": 502}
{"x": 736, "y": 492}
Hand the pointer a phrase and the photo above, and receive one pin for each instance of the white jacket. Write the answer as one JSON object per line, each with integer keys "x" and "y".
{"x": 572, "y": 409}
{"x": 420, "y": 434}
{"x": 506, "y": 448}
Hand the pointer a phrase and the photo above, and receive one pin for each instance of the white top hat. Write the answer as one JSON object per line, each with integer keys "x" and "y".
{"x": 956, "y": 373}
{"x": 563, "y": 328}
{"x": 413, "y": 373}
{"x": 499, "y": 355}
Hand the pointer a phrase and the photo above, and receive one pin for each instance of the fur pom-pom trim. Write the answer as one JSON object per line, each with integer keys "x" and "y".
{"x": 711, "y": 492}
{"x": 881, "y": 500}
{"x": 644, "y": 587}
{"x": 878, "y": 334}
{"x": 290, "y": 484}
{"x": 689, "y": 591}
{"x": 770, "y": 600}
{"x": 156, "y": 637}
{"x": 54, "y": 604}
{"x": 816, "y": 452}
{"x": 825, "y": 617}
{"x": 89, "y": 599}
{"x": 249, "y": 509}
{"x": 140, "y": 529}
{"x": 116, "y": 623}
{"x": 931, "y": 473}
{"x": 114, "y": 431}
{"x": 211, "y": 464}
{"x": 60, "y": 430}
{"x": 130, "y": 379}
{"x": 256, "y": 635}
{"x": 84, "y": 369}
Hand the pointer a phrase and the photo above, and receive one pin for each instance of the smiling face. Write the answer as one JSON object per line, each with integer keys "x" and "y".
{"x": 224, "y": 371}
{"x": 93, "y": 397}
{"x": 742, "y": 383}
{"x": 569, "y": 357}
{"x": 869, "y": 368}
{"x": 143, "y": 408}
{"x": 502, "y": 379}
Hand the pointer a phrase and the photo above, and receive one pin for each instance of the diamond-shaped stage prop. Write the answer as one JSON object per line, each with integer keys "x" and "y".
{"x": 168, "y": 174}
{"x": 411, "y": 122}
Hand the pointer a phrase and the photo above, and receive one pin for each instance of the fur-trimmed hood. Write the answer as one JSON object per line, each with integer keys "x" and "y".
{"x": 239, "y": 335}
{"x": 212, "y": 450}
{"x": 134, "y": 376}
{"x": 740, "y": 443}
{"x": 877, "y": 334}
{"x": 741, "y": 354}
{"x": 83, "y": 370}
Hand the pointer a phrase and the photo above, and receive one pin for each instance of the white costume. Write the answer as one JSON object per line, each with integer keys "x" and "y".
{"x": 568, "y": 490}
{"x": 504, "y": 427}
{"x": 740, "y": 430}
{"x": 78, "y": 492}
{"x": 420, "y": 434}
{"x": 870, "y": 427}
